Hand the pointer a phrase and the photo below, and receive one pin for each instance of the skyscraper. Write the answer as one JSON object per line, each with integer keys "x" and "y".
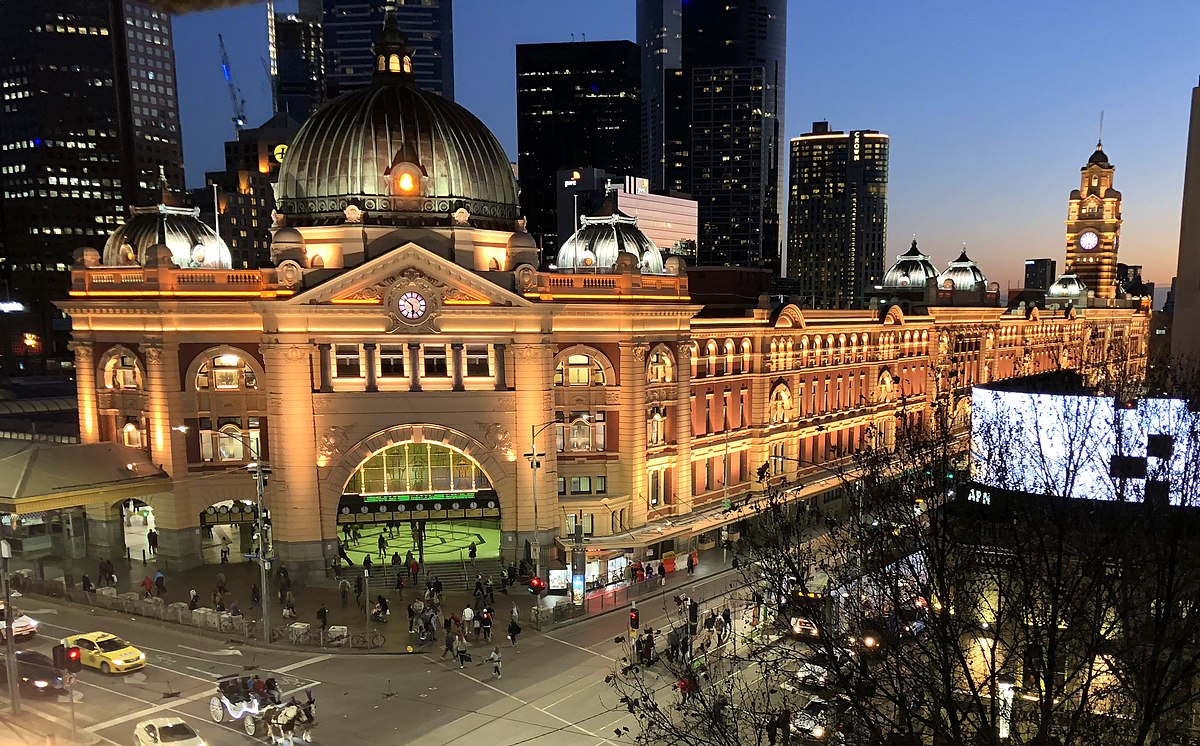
{"x": 300, "y": 60}
{"x": 90, "y": 117}
{"x": 1040, "y": 273}
{"x": 721, "y": 114}
{"x": 578, "y": 104}
{"x": 837, "y": 215}
{"x": 1094, "y": 227}
{"x": 350, "y": 26}
{"x": 660, "y": 36}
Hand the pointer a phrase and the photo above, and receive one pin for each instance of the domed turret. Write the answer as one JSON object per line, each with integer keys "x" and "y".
{"x": 911, "y": 270}
{"x": 1068, "y": 287}
{"x": 193, "y": 244}
{"x": 963, "y": 272}
{"x": 602, "y": 240}
{"x": 1099, "y": 157}
{"x": 402, "y": 155}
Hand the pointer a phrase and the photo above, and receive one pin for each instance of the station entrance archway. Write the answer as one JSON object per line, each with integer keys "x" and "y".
{"x": 427, "y": 498}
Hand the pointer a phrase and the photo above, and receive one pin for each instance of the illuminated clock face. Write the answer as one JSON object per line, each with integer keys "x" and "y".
{"x": 412, "y": 305}
{"x": 1088, "y": 240}
{"x": 279, "y": 152}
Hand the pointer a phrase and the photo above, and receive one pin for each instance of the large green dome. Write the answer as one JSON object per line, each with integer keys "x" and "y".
{"x": 402, "y": 155}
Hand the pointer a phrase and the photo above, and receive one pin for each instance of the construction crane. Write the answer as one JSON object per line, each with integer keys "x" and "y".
{"x": 235, "y": 94}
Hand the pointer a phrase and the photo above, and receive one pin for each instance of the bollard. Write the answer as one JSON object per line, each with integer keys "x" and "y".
{"x": 143, "y": 556}
{"x": 128, "y": 554}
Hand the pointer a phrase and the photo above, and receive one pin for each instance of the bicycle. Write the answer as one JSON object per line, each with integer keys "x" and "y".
{"x": 232, "y": 625}
{"x": 374, "y": 640}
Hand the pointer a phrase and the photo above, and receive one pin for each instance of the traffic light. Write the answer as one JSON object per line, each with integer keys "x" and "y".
{"x": 74, "y": 662}
{"x": 635, "y": 621}
{"x": 60, "y": 657}
{"x": 536, "y": 585}
{"x": 693, "y": 617}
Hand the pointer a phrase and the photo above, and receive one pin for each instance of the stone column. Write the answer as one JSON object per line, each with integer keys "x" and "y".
{"x": 501, "y": 366}
{"x": 293, "y": 494}
{"x": 326, "y": 363}
{"x": 372, "y": 365}
{"x": 534, "y": 408}
{"x": 414, "y": 366}
{"x": 85, "y": 385}
{"x": 176, "y": 519}
{"x": 105, "y": 531}
{"x": 683, "y": 427}
{"x": 632, "y": 423}
{"x": 456, "y": 359}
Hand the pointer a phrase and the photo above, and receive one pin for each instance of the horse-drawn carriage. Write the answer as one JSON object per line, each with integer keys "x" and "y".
{"x": 263, "y": 711}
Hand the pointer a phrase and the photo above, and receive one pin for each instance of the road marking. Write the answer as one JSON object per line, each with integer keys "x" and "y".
{"x": 301, "y": 664}
{"x": 39, "y": 612}
{"x": 580, "y": 647}
{"x": 209, "y": 674}
{"x": 55, "y": 719}
{"x": 545, "y": 712}
{"x": 227, "y": 651}
{"x": 565, "y": 697}
{"x": 172, "y": 705}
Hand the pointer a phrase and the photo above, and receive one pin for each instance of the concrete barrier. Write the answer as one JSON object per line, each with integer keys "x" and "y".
{"x": 337, "y": 636}
{"x": 179, "y": 612}
{"x": 154, "y": 607}
{"x": 131, "y": 601}
{"x": 297, "y": 632}
{"x": 107, "y": 591}
{"x": 206, "y": 618}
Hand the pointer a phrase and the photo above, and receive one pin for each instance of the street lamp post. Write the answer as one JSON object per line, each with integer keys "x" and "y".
{"x": 534, "y": 464}
{"x": 259, "y": 490}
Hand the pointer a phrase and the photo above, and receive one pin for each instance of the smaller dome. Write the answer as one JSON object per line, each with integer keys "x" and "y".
{"x": 911, "y": 270}
{"x": 1069, "y": 287}
{"x": 288, "y": 243}
{"x": 85, "y": 256}
{"x": 520, "y": 240}
{"x": 192, "y": 243}
{"x": 1099, "y": 158}
{"x": 601, "y": 240}
{"x": 963, "y": 272}
{"x": 1111, "y": 193}
{"x": 289, "y": 236}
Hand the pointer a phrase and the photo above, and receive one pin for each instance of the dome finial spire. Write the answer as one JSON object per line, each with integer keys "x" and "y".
{"x": 393, "y": 57}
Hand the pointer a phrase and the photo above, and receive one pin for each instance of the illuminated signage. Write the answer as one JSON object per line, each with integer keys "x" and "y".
{"x": 410, "y": 496}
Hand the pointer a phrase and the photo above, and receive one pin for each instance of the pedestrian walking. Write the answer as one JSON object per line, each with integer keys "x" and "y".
{"x": 358, "y": 590}
{"x": 485, "y": 624}
{"x": 399, "y": 585}
{"x": 691, "y": 564}
{"x": 470, "y": 623}
{"x": 160, "y": 584}
{"x": 514, "y": 613}
{"x": 479, "y": 592}
{"x": 451, "y": 637}
{"x": 218, "y": 600}
{"x": 488, "y": 590}
{"x": 412, "y": 616}
{"x": 224, "y": 550}
{"x": 221, "y": 582}
{"x": 472, "y": 551}
{"x": 720, "y": 627}
{"x": 323, "y": 617}
{"x": 193, "y": 600}
{"x": 437, "y": 589}
{"x": 344, "y": 588}
{"x": 255, "y": 596}
{"x": 147, "y": 586}
{"x": 367, "y": 563}
{"x": 382, "y": 547}
{"x": 414, "y": 569}
{"x": 494, "y": 659}
{"x": 728, "y": 617}
{"x": 152, "y": 541}
{"x": 514, "y": 629}
{"x": 464, "y": 655}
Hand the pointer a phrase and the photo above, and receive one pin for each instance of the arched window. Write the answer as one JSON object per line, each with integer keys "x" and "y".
{"x": 394, "y": 65}
{"x": 225, "y": 372}
{"x": 747, "y": 355}
{"x": 579, "y": 370}
{"x": 660, "y": 368}
{"x": 133, "y": 434}
{"x": 730, "y": 362}
{"x": 406, "y": 468}
{"x": 781, "y": 405}
{"x": 656, "y": 426}
{"x": 121, "y": 372}
{"x": 226, "y": 440}
{"x": 711, "y": 353}
{"x": 790, "y": 355}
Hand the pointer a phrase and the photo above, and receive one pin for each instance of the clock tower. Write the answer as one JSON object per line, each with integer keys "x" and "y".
{"x": 1094, "y": 227}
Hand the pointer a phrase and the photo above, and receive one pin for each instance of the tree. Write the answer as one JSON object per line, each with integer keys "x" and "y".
{"x": 1054, "y": 599}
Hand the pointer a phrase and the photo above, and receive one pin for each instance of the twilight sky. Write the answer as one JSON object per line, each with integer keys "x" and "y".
{"x": 992, "y": 107}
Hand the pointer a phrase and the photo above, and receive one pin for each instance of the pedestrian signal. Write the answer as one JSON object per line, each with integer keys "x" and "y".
{"x": 536, "y": 585}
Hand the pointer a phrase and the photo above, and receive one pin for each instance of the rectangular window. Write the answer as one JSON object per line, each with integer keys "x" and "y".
{"x": 587, "y": 524}
{"x": 562, "y": 485}
{"x": 436, "y": 365}
{"x": 347, "y": 362}
{"x": 571, "y": 521}
{"x": 477, "y": 361}
{"x": 655, "y": 488}
{"x": 581, "y": 485}
{"x": 601, "y": 485}
{"x": 391, "y": 361}
{"x": 599, "y": 431}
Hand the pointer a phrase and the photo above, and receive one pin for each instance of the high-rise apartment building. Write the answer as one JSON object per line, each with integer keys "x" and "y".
{"x": 721, "y": 114}
{"x": 1040, "y": 274}
{"x": 837, "y": 215}
{"x": 245, "y": 189}
{"x": 578, "y": 105}
{"x": 300, "y": 64}
{"x": 89, "y": 120}
{"x": 350, "y": 26}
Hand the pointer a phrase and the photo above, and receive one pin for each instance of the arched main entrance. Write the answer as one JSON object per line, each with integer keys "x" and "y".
{"x": 426, "y": 497}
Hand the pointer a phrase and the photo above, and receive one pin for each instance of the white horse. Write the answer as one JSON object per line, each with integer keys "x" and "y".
{"x": 287, "y": 722}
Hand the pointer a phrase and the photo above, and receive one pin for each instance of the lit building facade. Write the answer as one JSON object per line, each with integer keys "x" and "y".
{"x": 405, "y": 352}
{"x": 1094, "y": 227}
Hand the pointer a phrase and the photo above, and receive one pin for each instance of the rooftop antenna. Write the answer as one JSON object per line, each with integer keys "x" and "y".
{"x": 1100, "y": 135}
{"x": 583, "y": 35}
{"x": 572, "y": 36}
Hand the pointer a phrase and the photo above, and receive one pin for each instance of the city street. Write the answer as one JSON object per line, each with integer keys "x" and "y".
{"x": 552, "y": 689}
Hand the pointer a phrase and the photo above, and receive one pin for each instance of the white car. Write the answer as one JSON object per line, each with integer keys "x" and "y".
{"x": 811, "y": 674}
{"x": 166, "y": 730}
{"x": 23, "y": 626}
{"x": 812, "y": 721}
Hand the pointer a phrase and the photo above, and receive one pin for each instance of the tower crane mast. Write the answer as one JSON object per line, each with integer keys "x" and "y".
{"x": 235, "y": 94}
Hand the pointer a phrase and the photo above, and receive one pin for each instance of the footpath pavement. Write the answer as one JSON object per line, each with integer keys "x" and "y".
{"x": 240, "y": 577}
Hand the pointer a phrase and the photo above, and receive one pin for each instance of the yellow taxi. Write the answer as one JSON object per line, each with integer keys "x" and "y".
{"x": 106, "y": 652}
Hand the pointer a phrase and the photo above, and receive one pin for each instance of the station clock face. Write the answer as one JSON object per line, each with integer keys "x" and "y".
{"x": 279, "y": 152}
{"x": 412, "y": 305}
{"x": 1088, "y": 240}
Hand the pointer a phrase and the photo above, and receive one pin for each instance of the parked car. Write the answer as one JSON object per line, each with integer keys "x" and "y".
{"x": 166, "y": 730}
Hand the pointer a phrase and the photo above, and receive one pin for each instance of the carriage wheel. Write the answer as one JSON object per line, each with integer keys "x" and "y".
{"x": 216, "y": 709}
{"x": 308, "y": 737}
{"x": 251, "y": 725}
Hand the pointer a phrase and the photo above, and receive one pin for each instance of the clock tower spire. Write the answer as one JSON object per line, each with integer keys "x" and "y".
{"x": 1094, "y": 226}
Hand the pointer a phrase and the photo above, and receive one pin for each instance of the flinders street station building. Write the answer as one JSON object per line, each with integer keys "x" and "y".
{"x": 409, "y": 360}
